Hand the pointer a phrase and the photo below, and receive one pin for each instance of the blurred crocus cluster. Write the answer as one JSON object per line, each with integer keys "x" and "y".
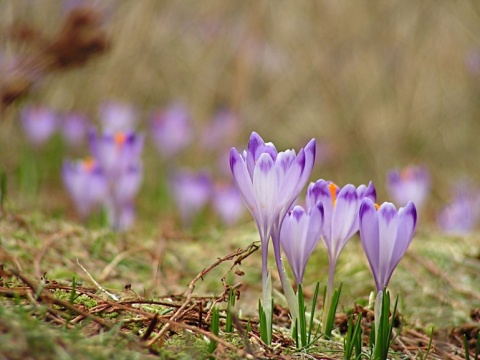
{"x": 41, "y": 122}
{"x": 111, "y": 177}
{"x": 462, "y": 214}
{"x": 172, "y": 132}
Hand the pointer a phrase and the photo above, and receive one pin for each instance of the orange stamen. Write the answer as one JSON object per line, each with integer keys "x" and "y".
{"x": 377, "y": 206}
{"x": 120, "y": 138}
{"x": 88, "y": 164}
{"x": 333, "y": 191}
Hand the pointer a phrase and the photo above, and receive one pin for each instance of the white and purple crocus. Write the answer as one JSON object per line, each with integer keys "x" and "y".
{"x": 269, "y": 182}
{"x": 300, "y": 232}
{"x": 386, "y": 234}
{"x": 341, "y": 222}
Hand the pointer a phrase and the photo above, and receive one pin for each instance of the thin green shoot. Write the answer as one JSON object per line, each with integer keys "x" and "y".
{"x": 331, "y": 311}
{"x": 215, "y": 329}
{"x": 465, "y": 345}
{"x": 353, "y": 338}
{"x": 265, "y": 328}
{"x": 231, "y": 304}
{"x": 73, "y": 293}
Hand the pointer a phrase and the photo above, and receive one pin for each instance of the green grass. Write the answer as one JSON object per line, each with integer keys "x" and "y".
{"x": 37, "y": 245}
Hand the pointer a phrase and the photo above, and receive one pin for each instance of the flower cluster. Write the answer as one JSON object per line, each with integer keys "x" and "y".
{"x": 172, "y": 132}
{"x": 270, "y": 181}
{"x": 112, "y": 176}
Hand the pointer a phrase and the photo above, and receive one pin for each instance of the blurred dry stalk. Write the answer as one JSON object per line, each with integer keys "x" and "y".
{"x": 79, "y": 38}
{"x": 382, "y": 83}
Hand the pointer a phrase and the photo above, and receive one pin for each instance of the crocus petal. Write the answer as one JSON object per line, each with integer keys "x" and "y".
{"x": 265, "y": 193}
{"x": 369, "y": 235}
{"x": 407, "y": 221}
{"x": 388, "y": 227}
{"x": 242, "y": 180}
{"x": 344, "y": 216}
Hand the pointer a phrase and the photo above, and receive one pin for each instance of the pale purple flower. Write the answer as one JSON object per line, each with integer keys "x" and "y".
{"x": 221, "y": 131}
{"x": 386, "y": 234}
{"x": 341, "y": 207}
{"x": 171, "y": 129}
{"x": 115, "y": 152}
{"x": 74, "y": 128}
{"x": 462, "y": 214}
{"x": 125, "y": 187}
{"x": 269, "y": 182}
{"x": 39, "y": 123}
{"x": 86, "y": 184}
{"x": 228, "y": 203}
{"x": 117, "y": 117}
{"x": 299, "y": 235}
{"x": 412, "y": 183}
{"x": 191, "y": 192}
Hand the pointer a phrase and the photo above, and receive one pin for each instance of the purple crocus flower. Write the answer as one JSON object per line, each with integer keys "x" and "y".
{"x": 171, "y": 129}
{"x": 228, "y": 203}
{"x": 461, "y": 215}
{"x": 410, "y": 184}
{"x": 86, "y": 184}
{"x": 191, "y": 192}
{"x": 299, "y": 235}
{"x": 386, "y": 234}
{"x": 341, "y": 221}
{"x": 74, "y": 128}
{"x": 39, "y": 123}
{"x": 117, "y": 117}
{"x": 269, "y": 182}
{"x": 115, "y": 152}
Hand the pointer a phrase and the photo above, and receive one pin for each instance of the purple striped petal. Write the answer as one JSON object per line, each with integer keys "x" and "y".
{"x": 369, "y": 236}
{"x": 242, "y": 180}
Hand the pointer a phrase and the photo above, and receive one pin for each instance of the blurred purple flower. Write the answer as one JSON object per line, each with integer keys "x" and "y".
{"x": 462, "y": 214}
{"x": 228, "y": 203}
{"x": 86, "y": 184}
{"x": 221, "y": 131}
{"x": 125, "y": 187}
{"x": 410, "y": 184}
{"x": 386, "y": 234}
{"x": 269, "y": 182}
{"x": 39, "y": 123}
{"x": 191, "y": 193}
{"x": 171, "y": 129}
{"x": 74, "y": 128}
{"x": 117, "y": 117}
{"x": 299, "y": 235}
{"x": 116, "y": 152}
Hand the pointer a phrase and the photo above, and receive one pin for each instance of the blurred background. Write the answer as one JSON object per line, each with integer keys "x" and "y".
{"x": 380, "y": 85}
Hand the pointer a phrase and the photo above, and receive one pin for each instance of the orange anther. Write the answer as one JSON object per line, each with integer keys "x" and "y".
{"x": 333, "y": 191}
{"x": 120, "y": 138}
{"x": 88, "y": 164}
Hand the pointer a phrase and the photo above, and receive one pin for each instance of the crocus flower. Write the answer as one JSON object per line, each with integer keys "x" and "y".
{"x": 461, "y": 215}
{"x": 117, "y": 117}
{"x": 227, "y": 203}
{"x": 386, "y": 234}
{"x": 39, "y": 123}
{"x": 74, "y": 128}
{"x": 115, "y": 152}
{"x": 171, "y": 129}
{"x": 341, "y": 221}
{"x": 410, "y": 184}
{"x": 86, "y": 183}
{"x": 191, "y": 192}
{"x": 299, "y": 235}
{"x": 269, "y": 182}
